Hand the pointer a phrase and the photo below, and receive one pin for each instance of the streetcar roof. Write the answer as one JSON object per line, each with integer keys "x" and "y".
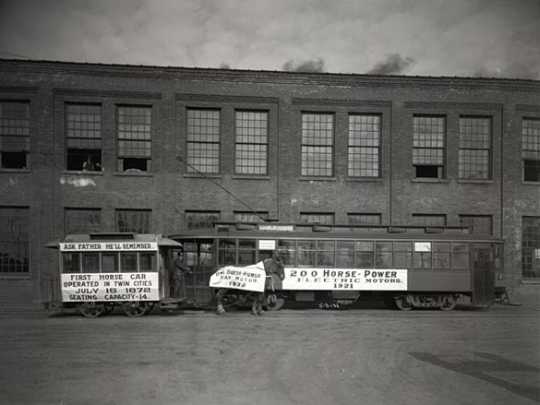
{"x": 117, "y": 237}
{"x": 303, "y": 231}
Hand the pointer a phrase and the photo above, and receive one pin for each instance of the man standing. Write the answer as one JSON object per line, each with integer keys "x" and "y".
{"x": 179, "y": 273}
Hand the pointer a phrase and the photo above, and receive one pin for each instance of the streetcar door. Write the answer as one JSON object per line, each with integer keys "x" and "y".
{"x": 483, "y": 274}
{"x": 200, "y": 257}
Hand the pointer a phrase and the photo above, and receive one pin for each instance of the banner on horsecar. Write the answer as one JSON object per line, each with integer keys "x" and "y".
{"x": 312, "y": 278}
{"x": 85, "y": 287}
{"x": 248, "y": 278}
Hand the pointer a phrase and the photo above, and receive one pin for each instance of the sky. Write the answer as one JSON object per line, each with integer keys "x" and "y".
{"x": 488, "y": 38}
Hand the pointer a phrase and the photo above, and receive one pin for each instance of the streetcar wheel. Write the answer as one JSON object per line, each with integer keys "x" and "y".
{"x": 91, "y": 309}
{"x": 149, "y": 308}
{"x": 402, "y": 303}
{"x": 448, "y": 302}
{"x": 134, "y": 309}
{"x": 109, "y": 307}
{"x": 274, "y": 303}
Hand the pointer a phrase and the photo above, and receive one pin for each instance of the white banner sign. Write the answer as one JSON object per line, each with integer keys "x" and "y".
{"x": 249, "y": 278}
{"x": 344, "y": 279}
{"x": 106, "y": 246}
{"x": 82, "y": 287}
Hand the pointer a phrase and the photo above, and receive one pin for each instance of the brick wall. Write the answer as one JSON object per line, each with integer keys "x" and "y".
{"x": 168, "y": 190}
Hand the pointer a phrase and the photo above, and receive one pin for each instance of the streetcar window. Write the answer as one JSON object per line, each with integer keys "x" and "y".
{"x": 287, "y": 251}
{"x": 364, "y": 254}
{"x": 344, "y": 254}
{"x": 128, "y": 262}
{"x": 190, "y": 253}
{"x": 422, "y": 255}
{"x": 460, "y": 256}
{"x": 71, "y": 262}
{"x": 109, "y": 262}
{"x": 306, "y": 253}
{"x": 246, "y": 251}
{"x": 402, "y": 254}
{"x": 441, "y": 255}
{"x": 227, "y": 251}
{"x": 148, "y": 261}
{"x": 383, "y": 254}
{"x": 206, "y": 254}
{"x": 90, "y": 262}
{"x": 325, "y": 253}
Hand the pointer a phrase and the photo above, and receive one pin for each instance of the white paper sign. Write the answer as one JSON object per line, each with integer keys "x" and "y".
{"x": 248, "y": 278}
{"x": 265, "y": 244}
{"x": 84, "y": 287}
{"x": 312, "y": 278}
{"x": 422, "y": 246}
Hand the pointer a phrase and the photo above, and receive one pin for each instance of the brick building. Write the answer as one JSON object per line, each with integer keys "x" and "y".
{"x": 89, "y": 147}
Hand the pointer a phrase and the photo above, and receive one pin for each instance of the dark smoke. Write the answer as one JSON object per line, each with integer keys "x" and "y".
{"x": 308, "y": 66}
{"x": 394, "y": 64}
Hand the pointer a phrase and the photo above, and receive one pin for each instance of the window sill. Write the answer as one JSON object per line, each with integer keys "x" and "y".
{"x": 202, "y": 176}
{"x": 475, "y": 181}
{"x": 250, "y": 177}
{"x": 83, "y": 173}
{"x": 530, "y": 183}
{"x": 317, "y": 178}
{"x": 365, "y": 179}
{"x": 6, "y": 170}
{"x": 531, "y": 281}
{"x": 133, "y": 174}
{"x": 428, "y": 180}
{"x": 15, "y": 276}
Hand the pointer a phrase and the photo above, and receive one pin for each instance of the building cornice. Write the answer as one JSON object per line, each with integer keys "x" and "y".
{"x": 221, "y": 98}
{"x": 106, "y": 93}
{"x": 444, "y": 105}
{"x": 262, "y": 76}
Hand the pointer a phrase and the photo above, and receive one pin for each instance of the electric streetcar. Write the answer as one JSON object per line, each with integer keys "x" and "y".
{"x": 408, "y": 266}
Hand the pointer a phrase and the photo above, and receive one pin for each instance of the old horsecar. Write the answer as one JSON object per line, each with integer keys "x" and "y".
{"x": 100, "y": 271}
{"x": 408, "y": 266}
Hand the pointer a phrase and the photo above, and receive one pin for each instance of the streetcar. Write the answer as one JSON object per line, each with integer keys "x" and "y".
{"x": 99, "y": 272}
{"x": 407, "y": 266}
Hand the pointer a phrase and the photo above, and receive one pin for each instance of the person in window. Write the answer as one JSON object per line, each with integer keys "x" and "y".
{"x": 90, "y": 166}
{"x": 179, "y": 273}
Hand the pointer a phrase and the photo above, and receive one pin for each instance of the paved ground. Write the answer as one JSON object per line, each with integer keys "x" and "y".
{"x": 361, "y": 356}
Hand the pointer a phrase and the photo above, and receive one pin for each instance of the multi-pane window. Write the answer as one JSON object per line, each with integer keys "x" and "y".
{"x": 317, "y": 144}
{"x": 134, "y": 138}
{"x": 322, "y": 218}
{"x": 83, "y": 137}
{"x": 474, "y": 147}
{"x": 479, "y": 224}
{"x": 428, "y": 146}
{"x": 203, "y": 133}
{"x": 530, "y": 141}
{"x": 364, "y": 145}
{"x": 429, "y": 219}
{"x": 201, "y": 219}
{"x": 14, "y": 240}
{"x": 251, "y": 142}
{"x": 531, "y": 247}
{"x": 250, "y": 216}
{"x": 82, "y": 220}
{"x": 364, "y": 219}
{"x": 14, "y": 134}
{"x": 133, "y": 220}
